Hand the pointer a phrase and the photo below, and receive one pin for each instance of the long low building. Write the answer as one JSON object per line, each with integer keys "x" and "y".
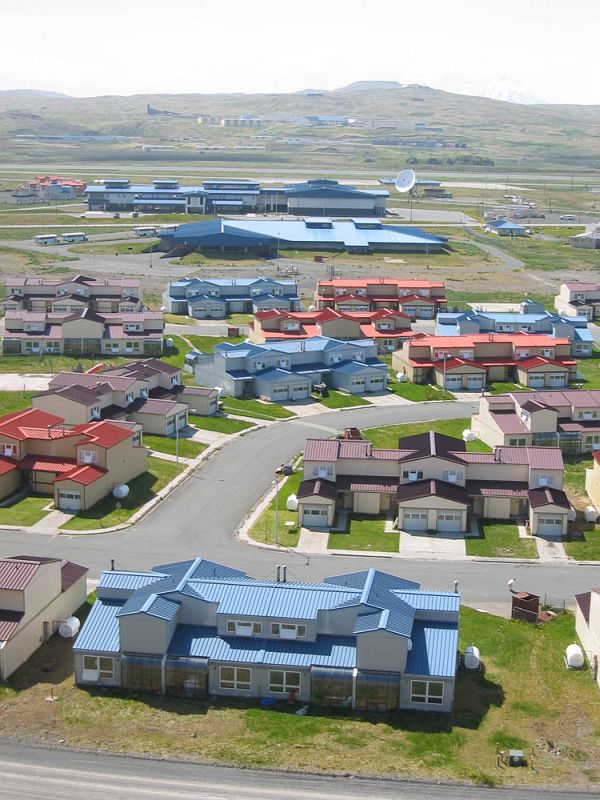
{"x": 268, "y": 237}
{"x": 364, "y": 641}
{"x": 418, "y": 299}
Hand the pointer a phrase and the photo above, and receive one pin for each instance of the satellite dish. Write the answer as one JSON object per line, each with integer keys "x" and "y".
{"x": 405, "y": 181}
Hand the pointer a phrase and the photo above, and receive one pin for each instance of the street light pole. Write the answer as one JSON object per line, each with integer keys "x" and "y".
{"x": 444, "y": 356}
{"x": 276, "y": 484}
{"x": 176, "y": 440}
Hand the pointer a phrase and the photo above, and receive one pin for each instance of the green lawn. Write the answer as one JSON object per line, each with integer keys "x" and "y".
{"x": 540, "y": 254}
{"x": 238, "y": 319}
{"x": 121, "y": 248}
{"x": 206, "y": 344}
{"x": 26, "y": 511}
{"x": 179, "y": 319}
{"x": 365, "y": 533}
{"x": 255, "y": 408}
{"x": 583, "y": 541}
{"x": 418, "y": 392}
{"x": 503, "y": 387}
{"x": 590, "y": 371}
{"x": 335, "y": 399}
{"x": 15, "y": 401}
{"x": 388, "y": 435}
{"x": 461, "y": 299}
{"x": 175, "y": 355}
{"x": 167, "y": 444}
{"x": 219, "y": 424}
{"x": 263, "y": 529}
{"x": 501, "y": 540}
{"x": 142, "y": 489}
{"x": 48, "y": 364}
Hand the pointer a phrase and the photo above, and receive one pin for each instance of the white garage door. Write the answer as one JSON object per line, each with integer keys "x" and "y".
{"x": 357, "y": 386}
{"x": 314, "y": 516}
{"x": 535, "y": 381}
{"x": 453, "y": 382}
{"x": 414, "y": 520}
{"x": 550, "y": 526}
{"x": 300, "y": 392}
{"x": 69, "y": 501}
{"x": 557, "y": 380}
{"x": 279, "y": 393}
{"x": 474, "y": 382}
{"x": 449, "y": 521}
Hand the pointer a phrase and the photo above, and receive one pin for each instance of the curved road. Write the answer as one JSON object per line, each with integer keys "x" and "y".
{"x": 202, "y": 515}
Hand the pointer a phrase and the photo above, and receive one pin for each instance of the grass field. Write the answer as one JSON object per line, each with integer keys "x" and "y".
{"x": 388, "y": 435}
{"x": 543, "y": 255}
{"x": 166, "y": 444}
{"x": 256, "y": 409}
{"x": 121, "y": 248}
{"x": 334, "y": 399}
{"x": 142, "y": 489}
{"x": 206, "y": 344}
{"x": 364, "y": 533}
{"x": 26, "y": 511}
{"x": 500, "y": 540}
{"x": 15, "y": 401}
{"x": 51, "y": 364}
{"x": 263, "y": 529}
{"x": 219, "y": 424}
{"x": 418, "y": 392}
{"x": 524, "y": 697}
{"x": 590, "y": 370}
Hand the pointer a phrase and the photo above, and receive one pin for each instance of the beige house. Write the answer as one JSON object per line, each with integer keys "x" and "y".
{"x": 73, "y": 294}
{"x": 592, "y": 481}
{"x": 385, "y": 327}
{"x": 430, "y": 483}
{"x": 83, "y": 332}
{"x": 77, "y": 465}
{"x": 36, "y": 595}
{"x": 587, "y": 625}
{"x": 469, "y": 361}
{"x": 577, "y": 298}
{"x": 567, "y": 419}
{"x": 418, "y": 299}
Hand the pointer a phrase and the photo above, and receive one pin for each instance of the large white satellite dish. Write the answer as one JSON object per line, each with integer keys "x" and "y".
{"x": 405, "y": 181}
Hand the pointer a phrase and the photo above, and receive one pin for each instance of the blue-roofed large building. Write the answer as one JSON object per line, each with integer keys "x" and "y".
{"x": 531, "y": 318}
{"x": 504, "y": 227}
{"x": 281, "y": 371}
{"x": 364, "y": 640}
{"x": 216, "y": 298}
{"x": 330, "y": 198}
{"x": 266, "y": 237}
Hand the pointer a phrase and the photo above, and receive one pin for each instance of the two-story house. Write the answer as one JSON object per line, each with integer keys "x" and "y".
{"x": 36, "y": 595}
{"x": 469, "y": 361}
{"x": 83, "y": 333}
{"x": 532, "y": 318}
{"x": 73, "y": 294}
{"x": 431, "y": 483}
{"x": 385, "y": 327}
{"x": 578, "y": 298}
{"x": 282, "y": 371}
{"x": 418, "y": 299}
{"x": 567, "y": 419}
{"x": 76, "y": 465}
{"x": 216, "y": 298}
{"x": 364, "y": 640}
{"x": 587, "y": 625}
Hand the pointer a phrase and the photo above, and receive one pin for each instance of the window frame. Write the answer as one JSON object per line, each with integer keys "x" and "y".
{"x": 102, "y": 672}
{"x": 236, "y": 682}
{"x": 426, "y": 696}
{"x": 286, "y": 687}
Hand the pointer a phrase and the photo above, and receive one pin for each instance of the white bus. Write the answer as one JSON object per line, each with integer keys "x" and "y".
{"x": 145, "y": 230}
{"x": 74, "y": 237}
{"x": 168, "y": 228}
{"x": 46, "y": 238}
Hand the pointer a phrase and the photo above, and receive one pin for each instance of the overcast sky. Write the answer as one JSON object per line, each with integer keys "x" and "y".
{"x": 548, "y": 48}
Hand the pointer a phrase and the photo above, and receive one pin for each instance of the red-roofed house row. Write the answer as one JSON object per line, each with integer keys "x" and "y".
{"x": 469, "y": 362}
{"x": 385, "y": 327}
{"x": 77, "y": 465}
{"x": 418, "y": 299}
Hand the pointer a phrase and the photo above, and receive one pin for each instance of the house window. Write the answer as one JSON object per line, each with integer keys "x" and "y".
{"x": 88, "y": 457}
{"x": 322, "y": 471}
{"x": 283, "y": 682}
{"x": 53, "y": 347}
{"x": 288, "y": 631}
{"x": 9, "y": 450}
{"x": 431, "y": 692}
{"x": 98, "y": 668}
{"x": 412, "y": 475}
{"x": 520, "y": 442}
{"x": 243, "y": 627}
{"x": 239, "y": 678}
{"x": 544, "y": 480}
{"x": 452, "y": 476}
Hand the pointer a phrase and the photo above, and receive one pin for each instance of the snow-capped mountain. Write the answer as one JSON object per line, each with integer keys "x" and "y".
{"x": 504, "y": 88}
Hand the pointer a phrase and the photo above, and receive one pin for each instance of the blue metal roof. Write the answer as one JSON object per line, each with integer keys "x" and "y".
{"x": 434, "y": 648}
{"x": 430, "y": 601}
{"x": 172, "y": 202}
{"x": 100, "y": 631}
{"x": 331, "y": 651}
{"x": 153, "y": 606}
{"x": 117, "y": 579}
{"x": 504, "y": 224}
{"x": 355, "y": 367}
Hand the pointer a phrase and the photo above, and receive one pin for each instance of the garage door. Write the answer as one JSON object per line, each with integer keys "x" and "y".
{"x": 300, "y": 392}
{"x": 453, "y": 382}
{"x": 357, "y": 386}
{"x": 535, "y": 381}
{"x": 557, "y": 380}
{"x": 449, "y": 522}
{"x": 550, "y": 526}
{"x": 279, "y": 393}
{"x": 314, "y": 516}
{"x": 414, "y": 521}
{"x": 474, "y": 382}
{"x": 69, "y": 501}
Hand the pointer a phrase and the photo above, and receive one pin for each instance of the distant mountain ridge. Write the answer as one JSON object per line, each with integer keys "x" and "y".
{"x": 32, "y": 93}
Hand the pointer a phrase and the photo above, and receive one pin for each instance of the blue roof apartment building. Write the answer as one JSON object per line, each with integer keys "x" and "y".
{"x": 239, "y": 196}
{"x": 364, "y": 640}
{"x": 532, "y": 318}
{"x": 267, "y": 237}
{"x": 281, "y": 371}
{"x": 215, "y": 298}
{"x": 504, "y": 227}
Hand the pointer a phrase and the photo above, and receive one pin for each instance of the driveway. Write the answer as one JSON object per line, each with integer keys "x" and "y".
{"x": 445, "y": 546}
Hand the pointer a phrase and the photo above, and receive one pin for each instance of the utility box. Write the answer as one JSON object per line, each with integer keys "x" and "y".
{"x": 516, "y": 758}
{"x": 525, "y": 606}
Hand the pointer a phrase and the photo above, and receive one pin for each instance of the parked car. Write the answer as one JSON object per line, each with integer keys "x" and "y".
{"x": 567, "y": 216}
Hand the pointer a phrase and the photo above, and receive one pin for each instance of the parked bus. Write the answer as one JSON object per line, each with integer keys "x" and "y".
{"x": 168, "y": 228}
{"x": 74, "y": 237}
{"x": 145, "y": 230}
{"x": 46, "y": 238}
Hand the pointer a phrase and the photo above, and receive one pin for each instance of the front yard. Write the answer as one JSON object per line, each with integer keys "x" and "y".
{"x": 263, "y": 529}
{"x": 418, "y": 392}
{"x": 365, "y": 533}
{"x": 167, "y": 444}
{"x": 25, "y": 511}
{"x": 142, "y": 489}
{"x": 387, "y": 436}
{"x": 219, "y": 424}
{"x": 255, "y": 408}
{"x": 500, "y": 540}
{"x": 15, "y": 401}
{"x": 335, "y": 399}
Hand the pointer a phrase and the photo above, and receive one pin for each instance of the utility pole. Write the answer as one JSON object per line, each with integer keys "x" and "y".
{"x": 276, "y": 484}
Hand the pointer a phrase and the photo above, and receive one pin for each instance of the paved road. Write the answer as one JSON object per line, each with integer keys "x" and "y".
{"x": 201, "y": 516}
{"x": 31, "y": 773}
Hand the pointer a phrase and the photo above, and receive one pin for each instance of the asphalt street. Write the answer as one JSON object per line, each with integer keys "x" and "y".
{"x": 31, "y": 773}
{"x": 200, "y": 518}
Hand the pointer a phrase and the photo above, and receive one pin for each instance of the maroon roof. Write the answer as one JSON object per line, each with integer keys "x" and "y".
{"x": 9, "y": 622}
{"x": 584, "y": 602}
{"x": 318, "y": 488}
{"x": 432, "y": 444}
{"x": 15, "y": 573}
{"x": 418, "y": 489}
{"x": 508, "y": 422}
{"x": 366, "y": 483}
{"x": 536, "y": 457}
{"x": 548, "y": 497}
{"x": 496, "y": 489}
{"x": 153, "y": 406}
{"x": 200, "y": 390}
{"x": 70, "y": 572}
{"x": 321, "y": 449}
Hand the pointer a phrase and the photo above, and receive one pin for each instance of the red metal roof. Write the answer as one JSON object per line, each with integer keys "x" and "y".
{"x": 401, "y": 283}
{"x": 539, "y": 361}
{"x": 7, "y": 465}
{"x": 42, "y": 463}
{"x": 518, "y": 339}
{"x": 104, "y": 434}
{"x": 33, "y": 419}
{"x": 85, "y": 475}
